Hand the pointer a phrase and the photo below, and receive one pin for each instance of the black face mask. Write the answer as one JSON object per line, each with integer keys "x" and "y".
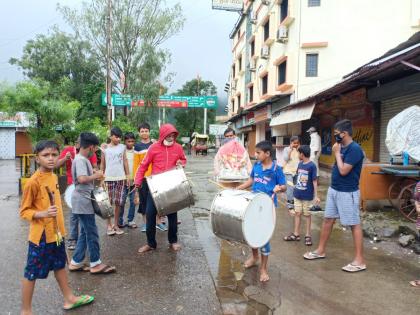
{"x": 338, "y": 138}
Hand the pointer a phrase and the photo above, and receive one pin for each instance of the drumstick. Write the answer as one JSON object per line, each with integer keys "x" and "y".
{"x": 52, "y": 202}
{"x": 216, "y": 183}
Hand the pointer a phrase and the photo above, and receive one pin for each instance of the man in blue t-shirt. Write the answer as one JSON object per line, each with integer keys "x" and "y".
{"x": 343, "y": 198}
{"x": 268, "y": 178}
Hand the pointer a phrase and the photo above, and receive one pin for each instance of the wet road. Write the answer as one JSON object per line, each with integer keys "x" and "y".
{"x": 161, "y": 282}
{"x": 207, "y": 276}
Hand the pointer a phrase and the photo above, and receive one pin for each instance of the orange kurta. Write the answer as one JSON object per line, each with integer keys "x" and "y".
{"x": 35, "y": 199}
{"x": 138, "y": 158}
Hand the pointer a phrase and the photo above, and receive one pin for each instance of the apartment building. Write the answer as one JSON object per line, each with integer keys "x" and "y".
{"x": 286, "y": 50}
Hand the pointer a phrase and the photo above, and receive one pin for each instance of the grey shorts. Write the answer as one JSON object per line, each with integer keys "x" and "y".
{"x": 344, "y": 206}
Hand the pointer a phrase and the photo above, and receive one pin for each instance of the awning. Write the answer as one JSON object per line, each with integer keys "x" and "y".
{"x": 293, "y": 114}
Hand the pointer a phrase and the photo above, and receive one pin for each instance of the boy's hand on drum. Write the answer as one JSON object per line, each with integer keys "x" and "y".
{"x": 279, "y": 188}
{"x": 179, "y": 163}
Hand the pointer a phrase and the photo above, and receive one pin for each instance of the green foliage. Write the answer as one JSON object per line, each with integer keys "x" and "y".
{"x": 47, "y": 112}
{"x": 138, "y": 29}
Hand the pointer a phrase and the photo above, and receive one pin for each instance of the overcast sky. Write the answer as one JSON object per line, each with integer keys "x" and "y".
{"x": 203, "y": 46}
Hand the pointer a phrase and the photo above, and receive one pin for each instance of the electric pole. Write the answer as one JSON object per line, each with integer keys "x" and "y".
{"x": 108, "y": 84}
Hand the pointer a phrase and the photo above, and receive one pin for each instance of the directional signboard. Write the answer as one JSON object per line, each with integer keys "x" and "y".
{"x": 117, "y": 99}
{"x": 171, "y": 101}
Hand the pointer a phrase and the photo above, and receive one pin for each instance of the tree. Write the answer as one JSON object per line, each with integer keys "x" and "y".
{"x": 48, "y": 112}
{"x": 139, "y": 27}
{"x": 191, "y": 120}
{"x": 67, "y": 64}
{"x": 57, "y": 57}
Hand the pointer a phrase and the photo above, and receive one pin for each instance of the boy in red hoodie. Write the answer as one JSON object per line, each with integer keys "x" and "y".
{"x": 164, "y": 155}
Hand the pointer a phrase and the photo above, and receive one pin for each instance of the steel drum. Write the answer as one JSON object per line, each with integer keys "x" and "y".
{"x": 101, "y": 204}
{"x": 67, "y": 195}
{"x": 171, "y": 191}
{"x": 243, "y": 216}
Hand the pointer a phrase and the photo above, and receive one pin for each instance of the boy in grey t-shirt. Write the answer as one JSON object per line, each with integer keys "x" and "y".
{"x": 84, "y": 178}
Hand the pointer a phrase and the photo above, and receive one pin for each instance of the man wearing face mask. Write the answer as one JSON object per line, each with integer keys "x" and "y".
{"x": 343, "y": 198}
{"x": 164, "y": 155}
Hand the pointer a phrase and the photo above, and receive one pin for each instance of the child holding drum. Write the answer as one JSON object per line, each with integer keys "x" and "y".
{"x": 267, "y": 177}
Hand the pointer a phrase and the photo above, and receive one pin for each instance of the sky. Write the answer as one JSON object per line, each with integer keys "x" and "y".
{"x": 202, "y": 48}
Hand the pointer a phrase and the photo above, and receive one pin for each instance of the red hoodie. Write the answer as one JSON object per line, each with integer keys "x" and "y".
{"x": 162, "y": 157}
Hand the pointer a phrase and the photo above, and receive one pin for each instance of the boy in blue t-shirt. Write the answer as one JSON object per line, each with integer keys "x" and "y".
{"x": 304, "y": 193}
{"x": 265, "y": 177}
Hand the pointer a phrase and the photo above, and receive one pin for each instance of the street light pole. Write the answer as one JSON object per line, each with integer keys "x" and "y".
{"x": 108, "y": 84}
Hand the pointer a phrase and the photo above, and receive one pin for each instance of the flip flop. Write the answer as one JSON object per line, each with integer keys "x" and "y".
{"x": 353, "y": 268}
{"x": 84, "y": 300}
{"x": 313, "y": 256}
{"x": 79, "y": 268}
{"x": 105, "y": 270}
{"x": 415, "y": 283}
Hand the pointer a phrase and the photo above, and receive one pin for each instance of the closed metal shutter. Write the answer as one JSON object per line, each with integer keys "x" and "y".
{"x": 390, "y": 108}
{"x": 7, "y": 143}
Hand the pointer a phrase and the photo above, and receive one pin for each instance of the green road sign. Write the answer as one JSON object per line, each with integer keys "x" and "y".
{"x": 117, "y": 99}
{"x": 192, "y": 101}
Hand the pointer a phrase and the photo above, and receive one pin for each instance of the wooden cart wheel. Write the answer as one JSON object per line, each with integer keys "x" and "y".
{"x": 395, "y": 189}
{"x": 406, "y": 203}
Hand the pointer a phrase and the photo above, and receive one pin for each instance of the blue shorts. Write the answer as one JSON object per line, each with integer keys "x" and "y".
{"x": 43, "y": 258}
{"x": 343, "y": 205}
{"x": 266, "y": 249}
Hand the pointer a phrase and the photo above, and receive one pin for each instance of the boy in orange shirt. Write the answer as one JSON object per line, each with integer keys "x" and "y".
{"x": 46, "y": 247}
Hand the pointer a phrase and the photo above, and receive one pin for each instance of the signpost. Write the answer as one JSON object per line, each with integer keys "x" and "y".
{"x": 170, "y": 101}
{"x": 228, "y": 5}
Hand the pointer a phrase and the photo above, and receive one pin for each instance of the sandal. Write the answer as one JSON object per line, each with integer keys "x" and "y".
{"x": 292, "y": 237}
{"x": 353, "y": 268}
{"x": 308, "y": 241}
{"x": 105, "y": 270}
{"x": 78, "y": 268}
{"x": 313, "y": 256}
{"x": 415, "y": 283}
{"x": 84, "y": 300}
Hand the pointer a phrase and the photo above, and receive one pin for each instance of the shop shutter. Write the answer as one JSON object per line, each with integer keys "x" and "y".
{"x": 7, "y": 143}
{"x": 390, "y": 108}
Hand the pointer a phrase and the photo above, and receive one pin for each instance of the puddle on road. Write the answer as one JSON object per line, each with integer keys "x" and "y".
{"x": 225, "y": 262}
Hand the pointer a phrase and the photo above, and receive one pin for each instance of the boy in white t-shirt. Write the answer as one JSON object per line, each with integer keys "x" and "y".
{"x": 114, "y": 164}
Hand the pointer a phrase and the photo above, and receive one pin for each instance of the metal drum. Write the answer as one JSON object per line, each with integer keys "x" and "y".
{"x": 67, "y": 195}
{"x": 101, "y": 204}
{"x": 243, "y": 216}
{"x": 171, "y": 191}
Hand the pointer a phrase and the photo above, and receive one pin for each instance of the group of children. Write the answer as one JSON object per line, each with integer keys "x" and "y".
{"x": 270, "y": 178}
{"x": 123, "y": 176}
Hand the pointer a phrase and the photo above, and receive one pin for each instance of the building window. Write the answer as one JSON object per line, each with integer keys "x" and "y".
{"x": 311, "y": 65}
{"x": 253, "y": 48}
{"x": 283, "y": 10}
{"x": 233, "y": 71}
{"x": 314, "y": 3}
{"x": 233, "y": 106}
{"x": 239, "y": 101}
{"x": 264, "y": 84}
{"x": 281, "y": 70}
{"x": 267, "y": 30}
{"x": 251, "y": 94}
{"x": 240, "y": 63}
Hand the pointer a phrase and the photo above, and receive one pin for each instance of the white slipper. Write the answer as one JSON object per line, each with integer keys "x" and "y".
{"x": 353, "y": 268}
{"x": 313, "y": 256}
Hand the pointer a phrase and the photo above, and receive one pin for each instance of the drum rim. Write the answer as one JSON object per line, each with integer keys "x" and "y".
{"x": 274, "y": 225}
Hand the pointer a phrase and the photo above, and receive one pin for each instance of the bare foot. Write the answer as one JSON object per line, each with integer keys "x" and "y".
{"x": 144, "y": 249}
{"x": 250, "y": 262}
{"x": 264, "y": 275}
{"x": 175, "y": 247}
